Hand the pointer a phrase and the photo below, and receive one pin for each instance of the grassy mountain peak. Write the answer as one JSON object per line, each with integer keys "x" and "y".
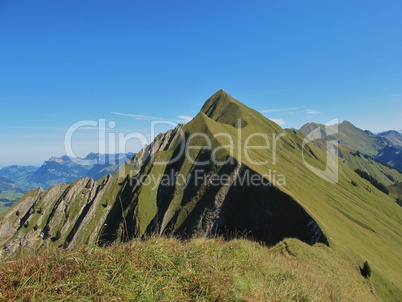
{"x": 353, "y": 137}
{"x": 223, "y": 108}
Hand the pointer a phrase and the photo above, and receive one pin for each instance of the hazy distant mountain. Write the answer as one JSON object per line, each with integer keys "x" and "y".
{"x": 64, "y": 169}
{"x": 391, "y": 156}
{"x": 353, "y": 137}
{"x": 17, "y": 180}
{"x": 19, "y": 174}
{"x": 57, "y": 170}
{"x": 6, "y": 184}
{"x": 395, "y": 137}
{"x": 385, "y": 147}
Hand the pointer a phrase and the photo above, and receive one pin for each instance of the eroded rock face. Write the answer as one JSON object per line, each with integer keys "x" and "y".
{"x": 224, "y": 203}
{"x": 63, "y": 215}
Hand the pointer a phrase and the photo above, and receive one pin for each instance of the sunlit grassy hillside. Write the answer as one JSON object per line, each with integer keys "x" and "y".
{"x": 166, "y": 269}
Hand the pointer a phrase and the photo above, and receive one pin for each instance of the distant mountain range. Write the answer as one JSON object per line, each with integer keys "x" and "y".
{"x": 10, "y": 192}
{"x": 395, "y": 137}
{"x": 19, "y": 174}
{"x": 384, "y": 147}
{"x": 20, "y": 179}
{"x": 6, "y": 184}
{"x": 64, "y": 169}
{"x": 379, "y": 155}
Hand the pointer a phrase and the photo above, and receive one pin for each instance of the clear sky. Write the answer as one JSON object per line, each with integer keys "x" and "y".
{"x": 132, "y": 61}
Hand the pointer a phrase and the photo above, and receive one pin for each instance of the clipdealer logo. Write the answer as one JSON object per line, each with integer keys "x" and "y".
{"x": 244, "y": 148}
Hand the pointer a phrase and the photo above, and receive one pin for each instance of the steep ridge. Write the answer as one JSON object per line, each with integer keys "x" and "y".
{"x": 395, "y": 137}
{"x": 222, "y": 108}
{"x": 384, "y": 147}
{"x": 383, "y": 166}
{"x": 63, "y": 215}
{"x": 169, "y": 188}
{"x": 353, "y": 137}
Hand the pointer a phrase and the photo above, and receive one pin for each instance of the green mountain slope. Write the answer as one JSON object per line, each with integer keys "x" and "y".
{"x": 166, "y": 190}
{"x": 385, "y": 167}
{"x": 353, "y": 137}
{"x": 384, "y": 147}
{"x": 382, "y": 173}
{"x": 395, "y": 191}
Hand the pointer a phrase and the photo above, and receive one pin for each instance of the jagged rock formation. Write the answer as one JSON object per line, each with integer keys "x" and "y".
{"x": 64, "y": 215}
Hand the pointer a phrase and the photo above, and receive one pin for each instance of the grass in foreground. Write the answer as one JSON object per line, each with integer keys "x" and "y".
{"x": 198, "y": 270}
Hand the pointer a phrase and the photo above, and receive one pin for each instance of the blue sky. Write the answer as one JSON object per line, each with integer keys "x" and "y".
{"x": 130, "y": 61}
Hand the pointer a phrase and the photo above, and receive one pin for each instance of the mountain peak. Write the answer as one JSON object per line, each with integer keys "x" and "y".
{"x": 92, "y": 156}
{"x": 219, "y": 99}
{"x": 221, "y": 93}
{"x": 346, "y": 123}
{"x": 223, "y": 108}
